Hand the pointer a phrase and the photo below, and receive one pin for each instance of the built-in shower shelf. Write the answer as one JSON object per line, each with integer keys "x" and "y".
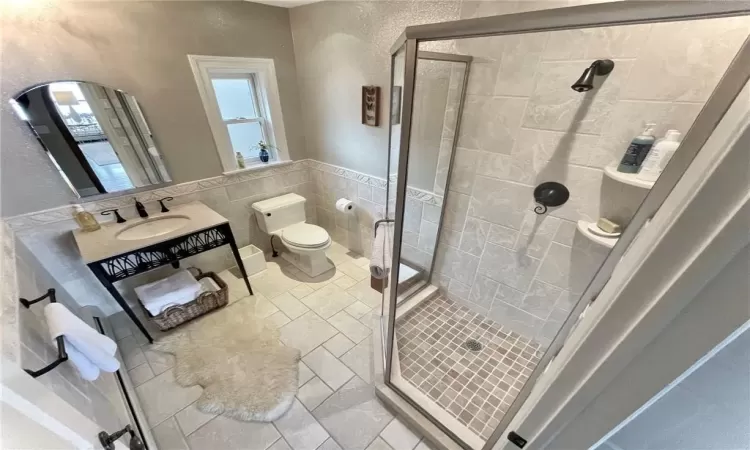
{"x": 627, "y": 178}
{"x": 583, "y": 227}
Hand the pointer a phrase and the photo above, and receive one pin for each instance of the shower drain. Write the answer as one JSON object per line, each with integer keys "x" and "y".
{"x": 473, "y": 345}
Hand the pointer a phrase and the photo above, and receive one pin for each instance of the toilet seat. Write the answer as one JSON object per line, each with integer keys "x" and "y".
{"x": 305, "y": 235}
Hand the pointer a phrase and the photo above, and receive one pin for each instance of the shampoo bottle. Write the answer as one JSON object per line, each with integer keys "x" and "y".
{"x": 637, "y": 150}
{"x": 659, "y": 156}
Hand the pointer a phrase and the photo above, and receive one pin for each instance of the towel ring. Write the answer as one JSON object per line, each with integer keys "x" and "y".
{"x": 62, "y": 355}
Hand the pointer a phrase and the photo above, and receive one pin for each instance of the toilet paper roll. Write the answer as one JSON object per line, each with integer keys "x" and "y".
{"x": 344, "y": 205}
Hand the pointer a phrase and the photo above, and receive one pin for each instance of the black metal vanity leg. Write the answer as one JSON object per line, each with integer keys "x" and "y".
{"x": 102, "y": 277}
{"x": 237, "y": 257}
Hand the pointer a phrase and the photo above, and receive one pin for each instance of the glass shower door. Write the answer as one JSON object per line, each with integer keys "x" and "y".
{"x": 507, "y": 276}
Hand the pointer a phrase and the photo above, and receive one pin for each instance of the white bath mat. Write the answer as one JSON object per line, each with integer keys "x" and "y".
{"x": 237, "y": 358}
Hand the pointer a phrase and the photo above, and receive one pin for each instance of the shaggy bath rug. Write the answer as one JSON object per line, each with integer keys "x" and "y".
{"x": 237, "y": 358}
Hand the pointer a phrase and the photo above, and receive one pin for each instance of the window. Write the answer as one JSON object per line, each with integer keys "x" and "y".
{"x": 240, "y": 96}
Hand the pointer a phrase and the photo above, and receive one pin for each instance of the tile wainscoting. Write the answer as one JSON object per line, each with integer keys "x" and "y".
{"x": 25, "y": 337}
{"x": 46, "y": 234}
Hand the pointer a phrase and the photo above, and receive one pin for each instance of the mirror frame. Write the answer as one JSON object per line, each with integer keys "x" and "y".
{"x": 100, "y": 196}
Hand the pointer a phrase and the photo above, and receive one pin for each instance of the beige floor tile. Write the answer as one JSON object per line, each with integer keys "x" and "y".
{"x": 351, "y": 327}
{"x": 345, "y": 282}
{"x": 300, "y": 429}
{"x": 307, "y": 332}
{"x": 328, "y": 368}
{"x": 280, "y": 445}
{"x": 161, "y": 397}
{"x": 379, "y": 444}
{"x": 262, "y": 307}
{"x": 305, "y": 374}
{"x": 160, "y": 362}
{"x": 140, "y": 374}
{"x": 365, "y": 294}
{"x": 358, "y": 309}
{"x": 313, "y": 393}
{"x": 229, "y": 434}
{"x": 330, "y": 444}
{"x": 301, "y": 291}
{"x": 359, "y": 359}
{"x": 399, "y": 436}
{"x": 168, "y": 436}
{"x": 278, "y": 319}
{"x": 131, "y": 352}
{"x": 190, "y": 418}
{"x": 328, "y": 300}
{"x": 290, "y": 305}
{"x": 354, "y": 271}
{"x": 353, "y": 416}
{"x": 321, "y": 280}
{"x": 424, "y": 445}
{"x": 273, "y": 282}
{"x": 338, "y": 345}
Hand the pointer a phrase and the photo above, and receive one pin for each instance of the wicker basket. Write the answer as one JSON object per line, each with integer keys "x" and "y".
{"x": 206, "y": 302}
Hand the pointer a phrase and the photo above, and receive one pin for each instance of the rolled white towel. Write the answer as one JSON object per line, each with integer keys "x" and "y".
{"x": 176, "y": 289}
{"x": 380, "y": 257}
{"x": 88, "y": 350}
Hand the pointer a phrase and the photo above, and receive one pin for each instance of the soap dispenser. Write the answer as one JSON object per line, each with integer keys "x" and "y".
{"x": 637, "y": 150}
{"x": 85, "y": 220}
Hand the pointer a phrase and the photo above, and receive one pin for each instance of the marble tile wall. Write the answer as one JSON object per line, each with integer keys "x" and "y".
{"x": 355, "y": 231}
{"x": 26, "y": 338}
{"x": 47, "y": 234}
{"x": 523, "y": 125}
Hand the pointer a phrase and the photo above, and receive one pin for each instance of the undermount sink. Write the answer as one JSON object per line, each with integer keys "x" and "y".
{"x": 152, "y": 227}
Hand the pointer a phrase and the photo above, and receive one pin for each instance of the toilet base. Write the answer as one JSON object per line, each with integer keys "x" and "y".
{"x": 312, "y": 264}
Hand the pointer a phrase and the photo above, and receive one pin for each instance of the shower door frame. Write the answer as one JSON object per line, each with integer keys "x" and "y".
{"x": 577, "y": 17}
{"x": 429, "y": 56}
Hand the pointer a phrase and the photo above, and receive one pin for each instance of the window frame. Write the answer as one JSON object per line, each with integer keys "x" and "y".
{"x": 262, "y": 73}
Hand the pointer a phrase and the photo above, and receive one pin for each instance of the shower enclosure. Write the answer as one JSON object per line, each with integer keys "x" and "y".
{"x": 505, "y": 138}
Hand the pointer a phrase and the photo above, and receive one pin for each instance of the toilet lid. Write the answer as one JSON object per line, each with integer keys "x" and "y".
{"x": 305, "y": 235}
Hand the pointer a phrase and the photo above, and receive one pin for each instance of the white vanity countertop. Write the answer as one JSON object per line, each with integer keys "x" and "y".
{"x": 103, "y": 243}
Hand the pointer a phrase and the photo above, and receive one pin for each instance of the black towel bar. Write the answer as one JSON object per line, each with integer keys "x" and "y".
{"x": 62, "y": 356}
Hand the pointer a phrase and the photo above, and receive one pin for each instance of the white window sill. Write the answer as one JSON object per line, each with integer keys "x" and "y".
{"x": 258, "y": 167}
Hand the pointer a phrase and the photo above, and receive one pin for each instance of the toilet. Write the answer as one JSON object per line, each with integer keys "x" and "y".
{"x": 284, "y": 216}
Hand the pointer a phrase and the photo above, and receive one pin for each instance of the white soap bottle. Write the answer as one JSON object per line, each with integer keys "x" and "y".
{"x": 659, "y": 156}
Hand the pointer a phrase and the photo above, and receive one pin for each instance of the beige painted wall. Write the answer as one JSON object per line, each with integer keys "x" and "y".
{"x": 139, "y": 47}
{"x": 339, "y": 47}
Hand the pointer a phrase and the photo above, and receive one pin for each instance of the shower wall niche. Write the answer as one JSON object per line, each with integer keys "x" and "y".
{"x": 522, "y": 124}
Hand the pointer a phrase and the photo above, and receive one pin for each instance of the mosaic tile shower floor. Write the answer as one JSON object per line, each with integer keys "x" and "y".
{"x": 475, "y": 387}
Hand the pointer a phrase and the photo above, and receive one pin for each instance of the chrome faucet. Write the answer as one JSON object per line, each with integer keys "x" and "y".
{"x": 141, "y": 209}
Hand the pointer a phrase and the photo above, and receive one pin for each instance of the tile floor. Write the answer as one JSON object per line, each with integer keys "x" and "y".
{"x": 328, "y": 318}
{"x": 476, "y": 387}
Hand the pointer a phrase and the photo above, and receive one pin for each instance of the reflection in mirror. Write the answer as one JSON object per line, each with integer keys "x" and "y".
{"x": 96, "y": 136}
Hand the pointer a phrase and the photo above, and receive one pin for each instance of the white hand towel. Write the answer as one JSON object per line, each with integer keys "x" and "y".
{"x": 88, "y": 350}
{"x": 176, "y": 289}
{"x": 380, "y": 257}
{"x": 86, "y": 368}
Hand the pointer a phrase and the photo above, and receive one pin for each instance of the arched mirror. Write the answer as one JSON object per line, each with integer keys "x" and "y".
{"x": 96, "y": 136}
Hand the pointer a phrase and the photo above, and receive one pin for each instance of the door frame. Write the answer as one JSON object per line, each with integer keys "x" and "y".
{"x": 588, "y": 16}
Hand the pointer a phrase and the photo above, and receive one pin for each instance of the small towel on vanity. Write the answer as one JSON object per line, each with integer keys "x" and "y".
{"x": 177, "y": 289}
{"x": 88, "y": 350}
{"x": 380, "y": 257}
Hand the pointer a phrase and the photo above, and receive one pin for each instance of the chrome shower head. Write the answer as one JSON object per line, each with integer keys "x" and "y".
{"x": 598, "y": 67}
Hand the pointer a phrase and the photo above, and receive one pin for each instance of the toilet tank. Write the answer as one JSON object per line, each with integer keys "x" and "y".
{"x": 279, "y": 212}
